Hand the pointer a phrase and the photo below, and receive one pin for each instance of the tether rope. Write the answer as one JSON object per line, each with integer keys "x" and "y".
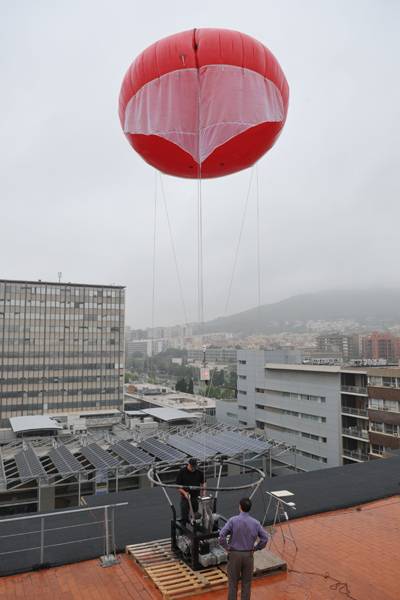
{"x": 239, "y": 240}
{"x": 153, "y": 297}
{"x": 258, "y": 248}
{"x": 173, "y": 248}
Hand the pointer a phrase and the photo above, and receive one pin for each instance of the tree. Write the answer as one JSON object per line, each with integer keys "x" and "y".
{"x": 190, "y": 386}
{"x": 181, "y": 385}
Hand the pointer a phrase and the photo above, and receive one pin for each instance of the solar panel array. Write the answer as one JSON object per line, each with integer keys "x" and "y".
{"x": 243, "y": 443}
{"x": 162, "y": 451}
{"x": 64, "y": 461}
{"x": 214, "y": 443}
{"x": 190, "y": 447}
{"x": 29, "y": 466}
{"x": 132, "y": 455}
{"x": 98, "y": 457}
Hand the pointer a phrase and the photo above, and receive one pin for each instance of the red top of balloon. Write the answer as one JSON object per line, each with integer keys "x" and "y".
{"x": 204, "y": 102}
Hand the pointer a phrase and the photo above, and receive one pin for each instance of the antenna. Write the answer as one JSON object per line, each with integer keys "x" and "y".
{"x": 59, "y": 276}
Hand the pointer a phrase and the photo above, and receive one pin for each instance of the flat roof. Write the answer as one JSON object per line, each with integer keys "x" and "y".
{"x": 168, "y": 414}
{"x": 33, "y": 423}
{"x": 316, "y": 368}
{"x": 353, "y": 550}
{"x": 61, "y": 283}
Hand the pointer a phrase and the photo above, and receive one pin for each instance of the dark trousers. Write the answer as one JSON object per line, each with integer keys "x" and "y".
{"x": 185, "y": 508}
{"x": 240, "y": 566}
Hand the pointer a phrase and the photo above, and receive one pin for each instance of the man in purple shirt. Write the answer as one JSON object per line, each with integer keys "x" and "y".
{"x": 243, "y": 532}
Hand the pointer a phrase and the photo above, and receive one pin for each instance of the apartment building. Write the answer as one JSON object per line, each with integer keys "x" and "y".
{"x": 61, "y": 347}
{"x": 322, "y": 410}
{"x": 384, "y": 410}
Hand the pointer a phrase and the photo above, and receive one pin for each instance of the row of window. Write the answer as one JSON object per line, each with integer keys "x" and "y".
{"x": 59, "y": 304}
{"x": 379, "y": 449}
{"x": 56, "y": 367}
{"x": 389, "y": 405}
{"x": 393, "y": 382}
{"x": 321, "y": 459}
{"x": 66, "y": 392}
{"x": 292, "y": 413}
{"x": 292, "y": 396}
{"x": 42, "y": 316}
{"x": 73, "y": 354}
{"x": 387, "y": 428}
{"x": 49, "y": 380}
{"x": 52, "y": 290}
{"x": 303, "y": 434}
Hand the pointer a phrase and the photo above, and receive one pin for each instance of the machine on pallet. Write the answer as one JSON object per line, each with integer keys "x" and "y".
{"x": 196, "y": 542}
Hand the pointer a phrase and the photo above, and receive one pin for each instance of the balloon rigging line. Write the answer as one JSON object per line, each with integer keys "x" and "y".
{"x": 200, "y": 268}
{"x": 171, "y": 237}
{"x": 239, "y": 240}
{"x": 153, "y": 297}
{"x": 258, "y": 247}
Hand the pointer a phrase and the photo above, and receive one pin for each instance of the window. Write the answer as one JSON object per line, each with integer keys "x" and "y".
{"x": 290, "y": 431}
{"x": 291, "y": 395}
{"x": 242, "y": 407}
{"x": 242, "y": 362}
{"x": 291, "y": 413}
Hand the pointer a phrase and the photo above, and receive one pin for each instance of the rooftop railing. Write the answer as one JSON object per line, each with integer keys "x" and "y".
{"x": 29, "y": 542}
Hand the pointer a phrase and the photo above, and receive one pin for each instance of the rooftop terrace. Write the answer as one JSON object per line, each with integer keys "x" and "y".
{"x": 351, "y": 553}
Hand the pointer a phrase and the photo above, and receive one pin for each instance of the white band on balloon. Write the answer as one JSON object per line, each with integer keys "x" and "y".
{"x": 230, "y": 99}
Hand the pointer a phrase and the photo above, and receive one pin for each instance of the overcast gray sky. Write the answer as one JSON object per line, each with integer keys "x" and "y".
{"x": 76, "y": 198}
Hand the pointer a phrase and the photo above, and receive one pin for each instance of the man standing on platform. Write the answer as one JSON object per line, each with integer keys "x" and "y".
{"x": 190, "y": 475}
{"x": 243, "y": 532}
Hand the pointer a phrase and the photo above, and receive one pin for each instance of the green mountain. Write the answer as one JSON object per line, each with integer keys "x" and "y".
{"x": 370, "y": 308}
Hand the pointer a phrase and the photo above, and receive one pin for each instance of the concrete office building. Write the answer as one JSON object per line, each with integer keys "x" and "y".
{"x": 61, "y": 348}
{"x": 321, "y": 410}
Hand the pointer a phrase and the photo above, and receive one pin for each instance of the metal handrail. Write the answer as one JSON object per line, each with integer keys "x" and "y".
{"x": 108, "y": 536}
{"x": 356, "y": 389}
{"x": 355, "y": 411}
{"x": 356, "y": 432}
{"x": 355, "y": 454}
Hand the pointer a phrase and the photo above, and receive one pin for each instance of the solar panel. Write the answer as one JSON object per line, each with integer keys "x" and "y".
{"x": 132, "y": 455}
{"x": 252, "y": 443}
{"x": 64, "y": 460}
{"x": 98, "y": 457}
{"x": 243, "y": 443}
{"x": 214, "y": 443}
{"x": 190, "y": 447}
{"x": 29, "y": 466}
{"x": 162, "y": 451}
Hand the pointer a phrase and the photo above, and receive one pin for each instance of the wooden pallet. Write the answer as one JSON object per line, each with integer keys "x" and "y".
{"x": 173, "y": 577}
{"x": 151, "y": 553}
{"x": 177, "y": 580}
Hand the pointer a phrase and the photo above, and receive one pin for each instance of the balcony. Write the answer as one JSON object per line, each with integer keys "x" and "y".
{"x": 356, "y": 455}
{"x": 354, "y": 389}
{"x": 356, "y": 432}
{"x": 384, "y": 408}
{"x": 393, "y": 433}
{"x": 358, "y": 412}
